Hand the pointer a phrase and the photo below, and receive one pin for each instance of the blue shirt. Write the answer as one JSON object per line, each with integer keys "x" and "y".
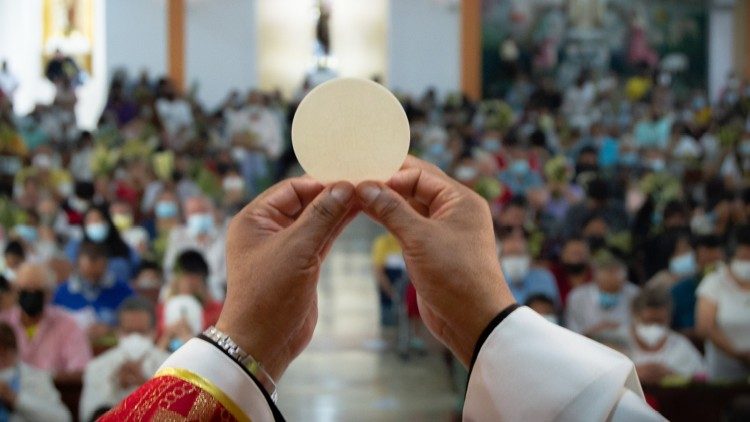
{"x": 520, "y": 183}
{"x": 684, "y": 300}
{"x": 78, "y": 295}
{"x": 537, "y": 281}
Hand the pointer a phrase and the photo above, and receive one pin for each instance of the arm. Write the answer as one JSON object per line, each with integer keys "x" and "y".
{"x": 383, "y": 283}
{"x": 707, "y": 328}
{"x": 583, "y": 380}
{"x": 275, "y": 247}
{"x": 522, "y": 367}
{"x": 98, "y": 391}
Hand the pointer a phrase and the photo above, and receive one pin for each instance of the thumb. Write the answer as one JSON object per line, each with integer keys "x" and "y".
{"x": 320, "y": 219}
{"x": 389, "y": 208}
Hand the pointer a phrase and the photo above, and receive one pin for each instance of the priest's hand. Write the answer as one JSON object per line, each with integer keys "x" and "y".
{"x": 275, "y": 247}
{"x": 446, "y": 233}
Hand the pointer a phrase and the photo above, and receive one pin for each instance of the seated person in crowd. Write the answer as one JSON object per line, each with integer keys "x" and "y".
{"x": 544, "y": 306}
{"x": 709, "y": 252}
{"x": 723, "y": 314}
{"x": 601, "y": 310}
{"x": 14, "y": 256}
{"x": 116, "y": 373}
{"x": 654, "y": 348}
{"x": 93, "y": 293}
{"x": 48, "y": 337}
{"x": 149, "y": 281}
{"x": 388, "y": 267}
{"x": 201, "y": 232}
{"x": 136, "y": 237}
{"x": 27, "y": 394}
{"x": 98, "y": 228}
{"x": 190, "y": 278}
{"x": 682, "y": 263}
{"x": 523, "y": 279}
{"x": 574, "y": 267}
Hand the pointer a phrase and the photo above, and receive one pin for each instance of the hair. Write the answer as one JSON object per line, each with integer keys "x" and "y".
{"x": 192, "y": 262}
{"x": 8, "y": 337}
{"x": 15, "y": 248}
{"x": 742, "y": 235}
{"x": 672, "y": 239}
{"x": 539, "y": 297}
{"x": 674, "y": 208}
{"x": 149, "y": 266}
{"x": 116, "y": 247}
{"x": 137, "y": 304}
{"x": 708, "y": 241}
{"x": 92, "y": 250}
{"x": 4, "y": 285}
{"x": 652, "y": 297}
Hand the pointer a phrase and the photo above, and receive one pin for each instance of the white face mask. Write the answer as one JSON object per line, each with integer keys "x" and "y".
{"x": 135, "y": 345}
{"x": 516, "y": 268}
{"x": 650, "y": 334}
{"x": 741, "y": 269}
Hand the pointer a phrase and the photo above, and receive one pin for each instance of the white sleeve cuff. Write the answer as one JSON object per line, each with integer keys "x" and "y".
{"x": 530, "y": 369}
{"x": 207, "y": 361}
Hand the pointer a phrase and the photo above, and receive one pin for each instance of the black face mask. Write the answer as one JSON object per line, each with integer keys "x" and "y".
{"x": 575, "y": 268}
{"x": 31, "y": 302}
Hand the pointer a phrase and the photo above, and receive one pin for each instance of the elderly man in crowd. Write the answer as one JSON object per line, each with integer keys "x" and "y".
{"x": 118, "y": 372}
{"x": 27, "y": 394}
{"x": 201, "y": 232}
{"x": 48, "y": 337}
{"x": 601, "y": 310}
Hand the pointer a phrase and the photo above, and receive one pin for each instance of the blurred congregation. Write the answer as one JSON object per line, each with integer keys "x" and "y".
{"x": 615, "y": 166}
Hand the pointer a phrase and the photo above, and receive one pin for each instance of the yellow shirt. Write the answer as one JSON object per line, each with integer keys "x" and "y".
{"x": 384, "y": 246}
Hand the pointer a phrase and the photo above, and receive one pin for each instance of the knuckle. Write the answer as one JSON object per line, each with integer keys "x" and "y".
{"x": 388, "y": 207}
{"x": 324, "y": 211}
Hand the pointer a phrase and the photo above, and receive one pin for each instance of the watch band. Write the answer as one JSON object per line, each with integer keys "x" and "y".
{"x": 243, "y": 358}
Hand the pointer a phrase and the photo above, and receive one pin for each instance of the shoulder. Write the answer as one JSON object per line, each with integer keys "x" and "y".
{"x": 62, "y": 319}
{"x": 29, "y": 372}
{"x": 631, "y": 289}
{"x": 542, "y": 275}
{"x": 712, "y": 283}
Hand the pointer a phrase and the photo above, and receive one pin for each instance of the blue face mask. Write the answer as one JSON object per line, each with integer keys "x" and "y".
{"x": 519, "y": 167}
{"x": 608, "y": 300}
{"x": 27, "y": 233}
{"x": 198, "y": 224}
{"x": 683, "y": 265}
{"x": 166, "y": 209}
{"x": 97, "y": 232}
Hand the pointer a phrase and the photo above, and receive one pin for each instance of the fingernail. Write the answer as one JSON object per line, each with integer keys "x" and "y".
{"x": 342, "y": 192}
{"x": 368, "y": 192}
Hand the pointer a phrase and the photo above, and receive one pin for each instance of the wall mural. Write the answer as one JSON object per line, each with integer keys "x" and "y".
{"x": 559, "y": 38}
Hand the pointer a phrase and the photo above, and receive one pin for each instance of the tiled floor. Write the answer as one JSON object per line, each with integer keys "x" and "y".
{"x": 350, "y": 371}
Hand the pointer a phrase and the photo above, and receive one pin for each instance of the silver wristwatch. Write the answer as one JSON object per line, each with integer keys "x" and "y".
{"x": 243, "y": 358}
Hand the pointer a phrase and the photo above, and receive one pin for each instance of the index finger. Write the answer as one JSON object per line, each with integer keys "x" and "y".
{"x": 288, "y": 197}
{"x": 427, "y": 188}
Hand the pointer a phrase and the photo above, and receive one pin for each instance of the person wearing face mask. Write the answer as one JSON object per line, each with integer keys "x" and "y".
{"x": 134, "y": 235}
{"x": 99, "y": 228}
{"x": 27, "y": 394}
{"x": 14, "y": 255}
{"x": 599, "y": 201}
{"x": 709, "y": 252}
{"x": 682, "y": 263}
{"x": 523, "y": 279}
{"x": 200, "y": 232}
{"x": 518, "y": 176}
{"x": 115, "y": 374}
{"x": 93, "y": 293}
{"x": 601, "y": 309}
{"x": 235, "y": 194}
{"x": 189, "y": 278}
{"x": 723, "y": 314}
{"x": 654, "y": 348}
{"x": 573, "y": 268}
{"x": 48, "y": 337}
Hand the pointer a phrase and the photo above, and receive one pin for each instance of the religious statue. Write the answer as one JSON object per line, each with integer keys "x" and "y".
{"x": 323, "y": 28}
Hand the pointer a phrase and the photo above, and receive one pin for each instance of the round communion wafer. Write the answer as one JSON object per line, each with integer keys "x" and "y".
{"x": 350, "y": 129}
